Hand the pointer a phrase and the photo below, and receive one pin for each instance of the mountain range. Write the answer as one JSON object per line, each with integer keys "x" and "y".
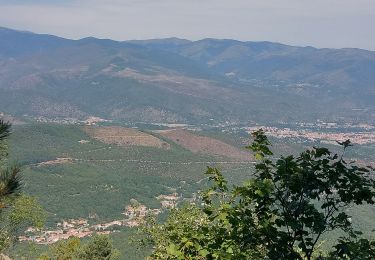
{"x": 181, "y": 81}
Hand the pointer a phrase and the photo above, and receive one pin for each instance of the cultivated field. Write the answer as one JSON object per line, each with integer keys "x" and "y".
{"x": 125, "y": 137}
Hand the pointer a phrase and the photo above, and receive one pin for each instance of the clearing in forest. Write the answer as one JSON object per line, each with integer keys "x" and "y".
{"x": 125, "y": 137}
{"x": 204, "y": 145}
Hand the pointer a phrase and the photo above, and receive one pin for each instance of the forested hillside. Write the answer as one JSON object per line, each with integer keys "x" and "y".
{"x": 175, "y": 80}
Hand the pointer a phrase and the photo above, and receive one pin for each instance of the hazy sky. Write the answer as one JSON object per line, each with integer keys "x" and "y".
{"x": 320, "y": 23}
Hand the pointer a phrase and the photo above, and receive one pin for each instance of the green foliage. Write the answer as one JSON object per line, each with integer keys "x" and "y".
{"x": 97, "y": 248}
{"x": 362, "y": 249}
{"x": 4, "y": 130}
{"x": 64, "y": 250}
{"x": 27, "y": 212}
{"x": 10, "y": 185}
{"x": 281, "y": 213}
{"x": 16, "y": 210}
{"x": 186, "y": 226}
{"x": 307, "y": 196}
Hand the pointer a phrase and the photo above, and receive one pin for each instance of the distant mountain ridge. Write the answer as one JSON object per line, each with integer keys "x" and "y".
{"x": 176, "y": 80}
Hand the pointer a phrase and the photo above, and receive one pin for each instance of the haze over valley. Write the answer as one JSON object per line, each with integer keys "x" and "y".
{"x": 179, "y": 81}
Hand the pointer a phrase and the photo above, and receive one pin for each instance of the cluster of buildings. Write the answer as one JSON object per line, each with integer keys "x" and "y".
{"x": 93, "y": 120}
{"x": 70, "y": 228}
{"x": 169, "y": 201}
{"x": 134, "y": 215}
{"x": 363, "y": 137}
{"x": 64, "y": 121}
{"x": 68, "y": 120}
{"x": 73, "y": 227}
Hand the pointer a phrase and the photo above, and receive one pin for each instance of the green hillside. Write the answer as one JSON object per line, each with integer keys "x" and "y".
{"x": 104, "y": 178}
{"x": 84, "y": 187}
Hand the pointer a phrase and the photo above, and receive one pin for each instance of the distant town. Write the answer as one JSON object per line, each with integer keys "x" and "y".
{"x": 367, "y": 136}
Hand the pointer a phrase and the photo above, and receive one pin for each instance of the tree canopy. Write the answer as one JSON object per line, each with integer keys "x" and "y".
{"x": 99, "y": 247}
{"x": 281, "y": 212}
{"x": 16, "y": 209}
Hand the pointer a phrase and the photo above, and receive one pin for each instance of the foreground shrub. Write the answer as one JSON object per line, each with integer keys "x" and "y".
{"x": 280, "y": 213}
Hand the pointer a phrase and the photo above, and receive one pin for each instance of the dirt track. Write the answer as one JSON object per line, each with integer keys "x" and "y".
{"x": 77, "y": 160}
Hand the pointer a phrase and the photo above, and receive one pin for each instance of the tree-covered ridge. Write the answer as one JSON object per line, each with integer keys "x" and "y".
{"x": 281, "y": 213}
{"x": 175, "y": 81}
